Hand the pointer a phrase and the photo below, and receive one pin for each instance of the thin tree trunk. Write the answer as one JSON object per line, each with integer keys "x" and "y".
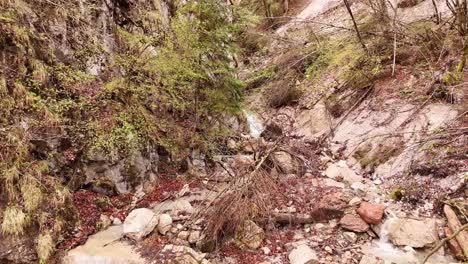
{"x": 348, "y": 7}
{"x": 436, "y": 11}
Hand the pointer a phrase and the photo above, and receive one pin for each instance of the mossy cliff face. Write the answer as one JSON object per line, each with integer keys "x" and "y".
{"x": 96, "y": 90}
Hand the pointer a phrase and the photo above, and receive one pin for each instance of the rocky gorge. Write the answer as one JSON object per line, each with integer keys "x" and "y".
{"x": 336, "y": 156}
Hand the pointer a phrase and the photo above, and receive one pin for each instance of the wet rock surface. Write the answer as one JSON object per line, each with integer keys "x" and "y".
{"x": 354, "y": 223}
{"x": 371, "y": 213}
{"x": 139, "y": 223}
{"x": 413, "y": 233}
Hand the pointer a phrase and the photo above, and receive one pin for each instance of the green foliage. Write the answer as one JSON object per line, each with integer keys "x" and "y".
{"x": 164, "y": 85}
{"x": 260, "y": 77}
{"x": 14, "y": 221}
{"x": 397, "y": 193}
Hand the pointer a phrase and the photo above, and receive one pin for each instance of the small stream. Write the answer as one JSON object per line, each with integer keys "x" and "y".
{"x": 384, "y": 249}
{"x": 255, "y": 124}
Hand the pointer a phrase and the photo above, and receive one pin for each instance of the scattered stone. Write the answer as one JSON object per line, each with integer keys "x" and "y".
{"x": 329, "y": 207}
{"x": 116, "y": 221}
{"x": 266, "y": 250}
{"x": 284, "y": 161}
{"x": 185, "y": 189}
{"x": 194, "y": 237}
{"x": 350, "y": 236}
{"x": 413, "y": 233}
{"x": 303, "y": 254}
{"x": 378, "y": 182}
{"x": 183, "y": 235}
{"x": 355, "y": 201}
{"x": 165, "y": 223}
{"x": 231, "y": 144}
{"x": 139, "y": 223}
{"x": 249, "y": 235}
{"x": 340, "y": 170}
{"x": 173, "y": 207}
{"x": 358, "y": 186}
{"x": 253, "y": 145}
{"x": 329, "y": 250}
{"x": 184, "y": 254}
{"x": 371, "y": 213}
{"x": 332, "y": 183}
{"x": 354, "y": 223}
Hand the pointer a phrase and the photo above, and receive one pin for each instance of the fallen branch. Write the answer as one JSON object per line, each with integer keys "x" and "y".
{"x": 292, "y": 219}
{"x": 454, "y": 224}
{"x": 443, "y": 241}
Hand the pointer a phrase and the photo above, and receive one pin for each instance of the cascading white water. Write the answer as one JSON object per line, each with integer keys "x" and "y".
{"x": 255, "y": 124}
{"x": 385, "y": 250}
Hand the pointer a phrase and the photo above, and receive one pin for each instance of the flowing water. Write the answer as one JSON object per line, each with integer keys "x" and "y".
{"x": 384, "y": 249}
{"x": 255, "y": 124}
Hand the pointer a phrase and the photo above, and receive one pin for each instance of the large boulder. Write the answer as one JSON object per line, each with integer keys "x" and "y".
{"x": 173, "y": 207}
{"x": 354, "y": 223}
{"x": 287, "y": 163}
{"x": 139, "y": 223}
{"x": 249, "y": 235}
{"x": 312, "y": 123}
{"x": 329, "y": 207}
{"x": 100, "y": 168}
{"x": 371, "y": 213}
{"x": 413, "y": 233}
{"x": 164, "y": 223}
{"x": 303, "y": 254}
{"x": 104, "y": 247}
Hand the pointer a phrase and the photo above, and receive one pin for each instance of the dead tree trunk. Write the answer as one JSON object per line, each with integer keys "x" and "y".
{"x": 348, "y": 7}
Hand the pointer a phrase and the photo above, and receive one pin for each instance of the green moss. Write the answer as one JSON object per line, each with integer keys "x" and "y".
{"x": 260, "y": 77}
{"x": 397, "y": 193}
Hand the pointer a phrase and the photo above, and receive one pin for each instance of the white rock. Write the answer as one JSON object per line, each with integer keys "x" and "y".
{"x": 377, "y": 182}
{"x": 165, "y": 222}
{"x": 329, "y": 249}
{"x": 319, "y": 226}
{"x": 194, "y": 237}
{"x": 139, "y": 223}
{"x": 413, "y": 233}
{"x": 116, "y": 221}
{"x": 358, "y": 186}
{"x": 355, "y": 201}
{"x": 104, "y": 247}
{"x": 183, "y": 235}
{"x": 185, "y": 189}
{"x": 266, "y": 250}
{"x": 303, "y": 254}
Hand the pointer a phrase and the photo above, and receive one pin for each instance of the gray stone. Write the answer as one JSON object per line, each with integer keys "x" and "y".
{"x": 139, "y": 223}
{"x": 249, "y": 235}
{"x": 350, "y": 236}
{"x": 413, "y": 233}
{"x": 164, "y": 223}
{"x": 340, "y": 170}
{"x": 97, "y": 251}
{"x": 303, "y": 254}
{"x": 194, "y": 236}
